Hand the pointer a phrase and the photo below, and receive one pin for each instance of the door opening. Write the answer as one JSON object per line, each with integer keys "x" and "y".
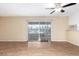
{"x": 39, "y": 31}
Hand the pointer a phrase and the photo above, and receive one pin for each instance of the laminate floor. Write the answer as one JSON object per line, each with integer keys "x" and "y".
{"x": 38, "y": 49}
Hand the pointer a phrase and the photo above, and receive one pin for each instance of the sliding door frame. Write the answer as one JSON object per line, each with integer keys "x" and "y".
{"x": 41, "y": 20}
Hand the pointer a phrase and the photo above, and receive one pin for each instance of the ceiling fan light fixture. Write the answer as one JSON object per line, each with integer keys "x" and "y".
{"x": 62, "y": 10}
{"x": 58, "y": 9}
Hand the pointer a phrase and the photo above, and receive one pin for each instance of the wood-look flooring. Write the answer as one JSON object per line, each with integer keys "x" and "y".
{"x": 38, "y": 49}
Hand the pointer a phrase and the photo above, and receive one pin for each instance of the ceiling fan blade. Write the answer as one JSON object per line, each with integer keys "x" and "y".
{"x": 70, "y": 4}
{"x": 49, "y": 8}
{"x": 52, "y": 12}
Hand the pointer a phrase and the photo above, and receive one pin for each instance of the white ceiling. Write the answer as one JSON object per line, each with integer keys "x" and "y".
{"x": 33, "y": 9}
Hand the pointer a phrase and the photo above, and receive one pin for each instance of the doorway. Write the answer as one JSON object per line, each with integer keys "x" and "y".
{"x": 39, "y": 31}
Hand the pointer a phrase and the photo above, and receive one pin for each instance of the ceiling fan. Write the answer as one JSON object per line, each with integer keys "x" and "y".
{"x": 60, "y": 7}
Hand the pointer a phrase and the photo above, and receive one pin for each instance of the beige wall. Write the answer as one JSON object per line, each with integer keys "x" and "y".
{"x": 12, "y": 29}
{"x": 60, "y": 28}
{"x": 16, "y": 29}
{"x": 73, "y": 37}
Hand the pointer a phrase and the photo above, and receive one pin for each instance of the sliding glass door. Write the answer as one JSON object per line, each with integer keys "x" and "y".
{"x": 33, "y": 31}
{"x": 45, "y": 31}
{"x": 39, "y": 31}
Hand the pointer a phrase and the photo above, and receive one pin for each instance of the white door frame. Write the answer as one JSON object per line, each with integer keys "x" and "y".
{"x": 41, "y": 20}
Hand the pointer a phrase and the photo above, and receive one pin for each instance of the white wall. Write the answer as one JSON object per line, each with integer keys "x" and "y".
{"x": 74, "y": 19}
{"x": 73, "y": 36}
{"x": 74, "y": 15}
